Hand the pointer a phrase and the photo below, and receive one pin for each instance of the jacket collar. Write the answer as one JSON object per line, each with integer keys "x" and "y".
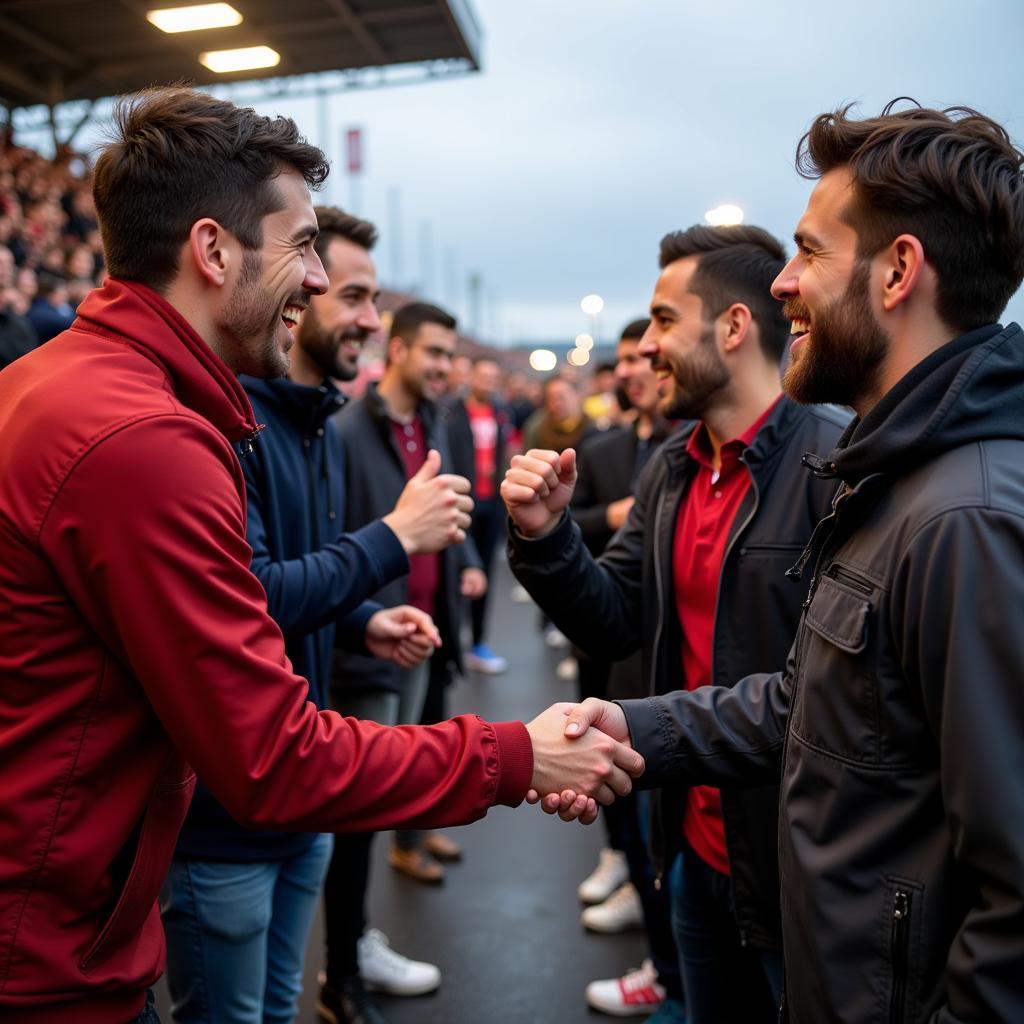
{"x": 138, "y": 317}
{"x": 378, "y": 411}
{"x": 307, "y": 406}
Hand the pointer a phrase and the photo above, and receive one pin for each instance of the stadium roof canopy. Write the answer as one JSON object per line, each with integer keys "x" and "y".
{"x": 54, "y": 51}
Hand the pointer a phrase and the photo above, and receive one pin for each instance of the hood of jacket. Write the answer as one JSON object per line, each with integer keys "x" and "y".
{"x": 137, "y": 316}
{"x": 306, "y": 406}
{"x": 970, "y": 389}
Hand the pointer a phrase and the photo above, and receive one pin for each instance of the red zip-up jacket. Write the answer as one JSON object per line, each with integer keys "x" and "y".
{"x": 135, "y": 643}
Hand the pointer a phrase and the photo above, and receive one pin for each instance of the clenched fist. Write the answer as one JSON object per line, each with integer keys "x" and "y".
{"x": 537, "y": 489}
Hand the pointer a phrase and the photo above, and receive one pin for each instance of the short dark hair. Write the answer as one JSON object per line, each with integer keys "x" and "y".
{"x": 411, "y": 317}
{"x": 635, "y": 329}
{"x": 335, "y": 223}
{"x": 178, "y": 155}
{"x": 737, "y": 263}
{"x": 952, "y": 178}
{"x": 48, "y": 284}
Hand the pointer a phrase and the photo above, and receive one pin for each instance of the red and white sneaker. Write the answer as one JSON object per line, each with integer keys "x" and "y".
{"x": 632, "y": 995}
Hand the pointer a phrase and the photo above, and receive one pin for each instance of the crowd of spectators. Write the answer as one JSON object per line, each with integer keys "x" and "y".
{"x": 51, "y": 254}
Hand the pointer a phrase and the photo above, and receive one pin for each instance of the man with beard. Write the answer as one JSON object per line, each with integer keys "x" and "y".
{"x": 898, "y": 724}
{"x": 245, "y": 900}
{"x": 695, "y": 580}
{"x": 136, "y": 649}
{"x": 385, "y": 437}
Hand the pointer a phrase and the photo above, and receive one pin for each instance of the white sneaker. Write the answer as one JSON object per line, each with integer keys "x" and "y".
{"x": 555, "y": 638}
{"x": 611, "y": 872}
{"x": 635, "y": 993}
{"x": 384, "y": 970}
{"x": 619, "y": 913}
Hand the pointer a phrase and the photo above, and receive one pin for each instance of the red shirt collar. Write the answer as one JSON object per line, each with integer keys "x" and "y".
{"x": 699, "y": 445}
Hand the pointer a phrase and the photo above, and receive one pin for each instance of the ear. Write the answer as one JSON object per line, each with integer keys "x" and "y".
{"x": 734, "y": 326}
{"x": 902, "y": 264}
{"x": 396, "y": 350}
{"x": 211, "y": 248}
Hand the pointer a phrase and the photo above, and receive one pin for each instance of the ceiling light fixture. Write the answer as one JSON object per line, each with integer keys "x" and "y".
{"x": 194, "y": 17}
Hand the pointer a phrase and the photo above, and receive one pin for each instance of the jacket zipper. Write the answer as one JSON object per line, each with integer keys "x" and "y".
{"x": 900, "y": 946}
{"x": 837, "y": 572}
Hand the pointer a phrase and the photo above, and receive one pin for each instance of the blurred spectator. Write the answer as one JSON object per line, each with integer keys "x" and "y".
{"x": 458, "y": 379}
{"x": 478, "y": 433}
{"x": 560, "y": 422}
{"x": 601, "y": 403}
{"x": 50, "y": 312}
{"x": 17, "y": 335}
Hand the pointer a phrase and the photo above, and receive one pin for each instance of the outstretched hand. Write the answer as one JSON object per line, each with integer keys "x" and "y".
{"x": 592, "y": 765}
{"x": 569, "y": 804}
{"x": 537, "y": 488}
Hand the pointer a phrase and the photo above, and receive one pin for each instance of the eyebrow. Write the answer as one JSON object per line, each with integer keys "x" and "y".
{"x": 662, "y": 310}
{"x": 805, "y": 237}
{"x": 307, "y": 232}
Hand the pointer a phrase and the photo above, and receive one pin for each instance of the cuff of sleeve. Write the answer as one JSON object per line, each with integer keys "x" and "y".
{"x": 385, "y": 548}
{"x": 541, "y": 549}
{"x": 351, "y": 633}
{"x": 515, "y": 762}
{"x": 647, "y": 735}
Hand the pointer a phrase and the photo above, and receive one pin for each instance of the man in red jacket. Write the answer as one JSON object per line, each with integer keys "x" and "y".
{"x": 134, "y": 641}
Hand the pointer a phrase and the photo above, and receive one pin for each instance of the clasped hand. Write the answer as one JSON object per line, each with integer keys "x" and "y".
{"x": 576, "y": 767}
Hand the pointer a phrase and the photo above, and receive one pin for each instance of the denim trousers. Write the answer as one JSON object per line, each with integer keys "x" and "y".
{"x": 237, "y": 935}
{"x": 726, "y": 982}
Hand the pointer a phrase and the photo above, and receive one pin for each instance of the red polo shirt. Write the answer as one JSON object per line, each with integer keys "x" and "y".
{"x": 702, "y": 529}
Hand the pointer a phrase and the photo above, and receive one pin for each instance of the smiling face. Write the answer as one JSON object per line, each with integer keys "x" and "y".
{"x": 838, "y": 346}
{"x": 424, "y": 364}
{"x": 337, "y": 323}
{"x": 273, "y": 286}
{"x": 636, "y": 376}
{"x": 681, "y": 345}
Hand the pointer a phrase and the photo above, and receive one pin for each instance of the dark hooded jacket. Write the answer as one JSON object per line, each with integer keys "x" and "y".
{"x": 899, "y": 720}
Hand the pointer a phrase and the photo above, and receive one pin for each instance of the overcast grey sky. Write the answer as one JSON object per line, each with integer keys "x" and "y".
{"x": 598, "y": 125}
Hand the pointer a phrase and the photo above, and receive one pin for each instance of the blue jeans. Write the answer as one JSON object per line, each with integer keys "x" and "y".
{"x": 148, "y": 1014}
{"x": 725, "y": 981}
{"x": 237, "y": 934}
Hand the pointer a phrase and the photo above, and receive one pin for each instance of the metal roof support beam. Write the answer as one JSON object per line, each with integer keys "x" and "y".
{"x": 41, "y": 44}
{"x": 359, "y": 30}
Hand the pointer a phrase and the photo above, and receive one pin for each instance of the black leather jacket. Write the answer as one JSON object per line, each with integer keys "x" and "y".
{"x": 624, "y": 601}
{"x": 899, "y": 720}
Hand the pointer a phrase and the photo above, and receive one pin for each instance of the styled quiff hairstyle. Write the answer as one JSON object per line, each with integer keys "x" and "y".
{"x": 335, "y": 223}
{"x": 737, "y": 263}
{"x": 178, "y": 155}
{"x": 951, "y": 178}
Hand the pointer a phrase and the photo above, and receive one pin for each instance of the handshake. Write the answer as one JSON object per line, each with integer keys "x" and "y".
{"x": 581, "y": 757}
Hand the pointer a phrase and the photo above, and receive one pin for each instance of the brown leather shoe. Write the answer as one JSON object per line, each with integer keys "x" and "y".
{"x": 440, "y": 846}
{"x": 416, "y": 864}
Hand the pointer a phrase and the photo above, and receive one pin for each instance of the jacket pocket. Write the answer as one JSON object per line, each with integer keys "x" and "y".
{"x": 903, "y": 912}
{"x": 156, "y": 838}
{"x": 837, "y": 707}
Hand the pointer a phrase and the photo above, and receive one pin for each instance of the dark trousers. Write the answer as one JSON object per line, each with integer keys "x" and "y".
{"x": 487, "y": 530}
{"x": 345, "y": 902}
{"x": 726, "y": 982}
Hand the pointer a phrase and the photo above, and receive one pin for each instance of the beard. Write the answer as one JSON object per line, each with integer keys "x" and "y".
{"x": 696, "y": 380}
{"x": 251, "y": 320}
{"x": 324, "y": 347}
{"x": 841, "y": 360}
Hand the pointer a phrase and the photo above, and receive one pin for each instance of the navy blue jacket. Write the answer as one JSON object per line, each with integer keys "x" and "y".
{"x": 316, "y": 578}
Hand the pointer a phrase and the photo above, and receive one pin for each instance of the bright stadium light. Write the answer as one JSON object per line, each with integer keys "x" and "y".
{"x": 248, "y": 58}
{"x": 194, "y": 17}
{"x": 724, "y": 215}
{"x": 578, "y": 357}
{"x": 543, "y": 360}
{"x": 591, "y": 304}
{"x": 585, "y": 342}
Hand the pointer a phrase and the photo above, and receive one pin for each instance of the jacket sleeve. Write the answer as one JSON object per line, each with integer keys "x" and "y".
{"x": 306, "y": 593}
{"x": 595, "y": 603}
{"x": 147, "y": 534}
{"x": 960, "y": 644}
{"x": 730, "y": 737}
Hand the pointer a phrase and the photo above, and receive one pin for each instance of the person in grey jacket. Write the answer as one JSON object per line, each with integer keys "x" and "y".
{"x": 898, "y": 724}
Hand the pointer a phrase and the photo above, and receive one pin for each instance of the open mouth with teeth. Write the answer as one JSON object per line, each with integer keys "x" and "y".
{"x": 799, "y": 329}
{"x": 291, "y": 316}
